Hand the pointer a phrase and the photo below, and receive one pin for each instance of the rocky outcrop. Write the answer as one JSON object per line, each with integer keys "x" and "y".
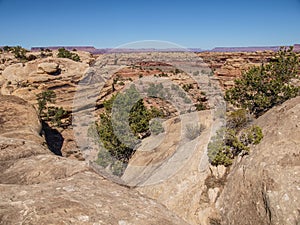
{"x": 227, "y": 66}
{"x": 176, "y": 171}
{"x": 38, "y": 187}
{"x": 49, "y": 68}
{"x": 26, "y": 80}
{"x": 264, "y": 187}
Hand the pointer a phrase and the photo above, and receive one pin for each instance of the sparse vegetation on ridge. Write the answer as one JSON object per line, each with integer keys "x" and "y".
{"x": 264, "y": 87}
{"x": 19, "y": 53}
{"x": 64, "y": 53}
{"x": 257, "y": 91}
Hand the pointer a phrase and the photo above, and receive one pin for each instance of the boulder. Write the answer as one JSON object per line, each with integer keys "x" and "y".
{"x": 264, "y": 187}
{"x": 48, "y": 67}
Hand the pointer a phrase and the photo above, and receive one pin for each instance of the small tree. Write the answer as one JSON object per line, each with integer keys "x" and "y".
{"x": 115, "y": 121}
{"x": 261, "y": 88}
{"x": 50, "y": 113}
{"x": 43, "y": 98}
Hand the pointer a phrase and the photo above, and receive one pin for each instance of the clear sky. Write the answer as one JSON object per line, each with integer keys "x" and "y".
{"x": 190, "y": 23}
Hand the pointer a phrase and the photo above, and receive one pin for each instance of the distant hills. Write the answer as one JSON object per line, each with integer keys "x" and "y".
{"x": 94, "y": 50}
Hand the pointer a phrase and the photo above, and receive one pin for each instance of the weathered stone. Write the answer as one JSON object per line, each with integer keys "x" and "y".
{"x": 263, "y": 188}
{"x": 38, "y": 187}
{"x": 47, "y": 67}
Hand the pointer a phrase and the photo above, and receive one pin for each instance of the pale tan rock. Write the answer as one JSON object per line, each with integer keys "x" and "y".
{"x": 47, "y": 67}
{"x": 185, "y": 191}
{"x": 38, "y": 187}
{"x": 263, "y": 188}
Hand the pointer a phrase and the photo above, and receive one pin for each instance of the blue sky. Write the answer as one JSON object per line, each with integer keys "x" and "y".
{"x": 190, "y": 23}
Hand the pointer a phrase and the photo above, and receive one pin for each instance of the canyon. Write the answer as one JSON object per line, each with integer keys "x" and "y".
{"x": 48, "y": 174}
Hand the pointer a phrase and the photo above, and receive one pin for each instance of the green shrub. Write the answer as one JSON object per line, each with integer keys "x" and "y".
{"x": 192, "y": 131}
{"x": 261, "y": 88}
{"x": 228, "y": 143}
{"x": 50, "y": 113}
{"x": 55, "y": 115}
{"x": 43, "y": 98}
{"x": 63, "y": 53}
{"x": 7, "y": 48}
{"x": 156, "y": 127}
{"x": 200, "y": 106}
{"x": 19, "y": 52}
{"x": 31, "y": 57}
{"x": 252, "y": 135}
{"x": 187, "y": 87}
{"x": 238, "y": 119}
{"x": 139, "y": 117}
{"x": 217, "y": 152}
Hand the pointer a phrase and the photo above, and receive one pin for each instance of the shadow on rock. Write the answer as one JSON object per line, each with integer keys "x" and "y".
{"x": 53, "y": 138}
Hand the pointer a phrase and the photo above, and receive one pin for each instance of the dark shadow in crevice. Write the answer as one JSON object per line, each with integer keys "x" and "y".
{"x": 53, "y": 138}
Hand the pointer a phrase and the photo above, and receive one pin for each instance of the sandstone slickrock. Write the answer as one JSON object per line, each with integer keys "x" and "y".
{"x": 264, "y": 187}
{"x": 25, "y": 80}
{"x": 38, "y": 187}
{"x": 192, "y": 189}
{"x": 49, "y": 68}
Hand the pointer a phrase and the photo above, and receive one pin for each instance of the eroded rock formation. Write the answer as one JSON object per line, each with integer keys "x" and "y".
{"x": 38, "y": 187}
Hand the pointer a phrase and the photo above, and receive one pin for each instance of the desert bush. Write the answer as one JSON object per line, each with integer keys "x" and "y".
{"x": 187, "y": 87}
{"x": 31, "y": 57}
{"x": 238, "y": 119}
{"x": 261, "y": 88}
{"x": 192, "y": 131}
{"x": 18, "y": 51}
{"x": 55, "y": 115}
{"x": 156, "y": 127}
{"x": 63, "y": 53}
{"x": 139, "y": 118}
{"x": 43, "y": 98}
{"x": 217, "y": 152}
{"x": 7, "y": 48}
{"x": 50, "y": 113}
{"x": 228, "y": 143}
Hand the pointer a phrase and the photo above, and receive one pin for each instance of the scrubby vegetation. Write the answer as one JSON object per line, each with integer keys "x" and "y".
{"x": 19, "y": 53}
{"x": 264, "y": 87}
{"x": 234, "y": 139}
{"x": 64, "y": 53}
{"x": 192, "y": 131}
{"x": 257, "y": 91}
{"x": 156, "y": 127}
{"x": 47, "y": 112}
{"x": 119, "y": 143}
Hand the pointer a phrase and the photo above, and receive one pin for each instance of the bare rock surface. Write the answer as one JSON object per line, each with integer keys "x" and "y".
{"x": 177, "y": 173}
{"x": 61, "y": 75}
{"x": 264, "y": 187}
{"x": 49, "y": 68}
{"x": 38, "y": 187}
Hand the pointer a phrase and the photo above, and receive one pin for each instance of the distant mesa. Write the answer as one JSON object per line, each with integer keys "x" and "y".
{"x": 70, "y": 48}
{"x": 94, "y": 50}
{"x": 245, "y": 49}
